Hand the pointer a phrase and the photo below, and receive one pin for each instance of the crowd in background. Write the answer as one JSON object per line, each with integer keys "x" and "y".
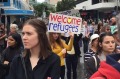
{"x": 100, "y": 42}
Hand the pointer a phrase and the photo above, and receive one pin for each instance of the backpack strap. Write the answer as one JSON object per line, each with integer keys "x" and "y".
{"x": 95, "y": 61}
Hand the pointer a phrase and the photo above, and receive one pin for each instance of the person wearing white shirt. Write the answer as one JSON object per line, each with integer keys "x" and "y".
{"x": 86, "y": 37}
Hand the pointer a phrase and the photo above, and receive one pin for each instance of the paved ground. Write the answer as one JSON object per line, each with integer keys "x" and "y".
{"x": 80, "y": 67}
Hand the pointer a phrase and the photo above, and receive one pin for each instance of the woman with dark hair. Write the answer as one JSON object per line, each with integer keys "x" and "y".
{"x": 14, "y": 48}
{"x": 38, "y": 62}
{"x": 110, "y": 69}
{"x": 99, "y": 27}
{"x": 60, "y": 47}
{"x": 106, "y": 46}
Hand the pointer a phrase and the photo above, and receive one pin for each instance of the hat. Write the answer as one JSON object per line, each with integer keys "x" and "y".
{"x": 94, "y": 36}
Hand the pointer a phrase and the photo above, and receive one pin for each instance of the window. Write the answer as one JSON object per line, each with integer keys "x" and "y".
{"x": 95, "y": 1}
{"x": 3, "y": 0}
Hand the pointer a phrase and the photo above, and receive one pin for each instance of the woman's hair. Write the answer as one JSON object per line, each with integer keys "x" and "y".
{"x": 17, "y": 39}
{"x": 14, "y": 26}
{"x": 99, "y": 27}
{"x": 41, "y": 30}
{"x": 58, "y": 41}
{"x": 101, "y": 39}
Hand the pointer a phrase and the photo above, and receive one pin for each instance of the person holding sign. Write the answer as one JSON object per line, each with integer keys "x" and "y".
{"x": 60, "y": 47}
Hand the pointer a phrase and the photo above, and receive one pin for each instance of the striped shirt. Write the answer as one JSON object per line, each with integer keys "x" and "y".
{"x": 89, "y": 54}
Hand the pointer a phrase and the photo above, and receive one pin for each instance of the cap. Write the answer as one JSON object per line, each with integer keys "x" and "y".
{"x": 94, "y": 36}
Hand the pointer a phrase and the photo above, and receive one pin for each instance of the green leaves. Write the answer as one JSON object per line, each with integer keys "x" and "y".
{"x": 61, "y": 6}
{"x": 41, "y": 7}
{"x": 65, "y": 5}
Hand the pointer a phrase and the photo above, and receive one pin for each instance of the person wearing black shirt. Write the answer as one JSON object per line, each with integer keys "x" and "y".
{"x": 14, "y": 48}
{"x": 37, "y": 61}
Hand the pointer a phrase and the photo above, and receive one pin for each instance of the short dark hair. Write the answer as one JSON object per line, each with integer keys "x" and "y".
{"x": 41, "y": 30}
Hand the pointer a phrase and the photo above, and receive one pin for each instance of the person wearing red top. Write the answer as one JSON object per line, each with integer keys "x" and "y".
{"x": 109, "y": 69}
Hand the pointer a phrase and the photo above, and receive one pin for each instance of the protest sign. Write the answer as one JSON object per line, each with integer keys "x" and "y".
{"x": 63, "y": 23}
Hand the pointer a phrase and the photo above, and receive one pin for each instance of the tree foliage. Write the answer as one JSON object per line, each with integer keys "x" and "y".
{"x": 40, "y": 7}
{"x": 65, "y": 5}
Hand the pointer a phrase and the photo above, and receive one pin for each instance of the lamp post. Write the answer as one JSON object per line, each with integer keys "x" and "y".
{"x": 117, "y": 6}
{"x": 44, "y": 13}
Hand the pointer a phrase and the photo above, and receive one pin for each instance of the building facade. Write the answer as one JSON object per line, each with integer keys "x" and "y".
{"x": 102, "y": 8}
{"x": 15, "y": 10}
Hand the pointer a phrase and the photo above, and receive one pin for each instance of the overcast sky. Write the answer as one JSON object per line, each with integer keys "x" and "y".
{"x": 40, "y": 0}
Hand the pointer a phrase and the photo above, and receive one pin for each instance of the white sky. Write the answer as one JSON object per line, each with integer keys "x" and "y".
{"x": 40, "y": 1}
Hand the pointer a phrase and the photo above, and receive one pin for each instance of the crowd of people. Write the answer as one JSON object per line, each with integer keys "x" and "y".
{"x": 102, "y": 55}
{"x": 41, "y": 55}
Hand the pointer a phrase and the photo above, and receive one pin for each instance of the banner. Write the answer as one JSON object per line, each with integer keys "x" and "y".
{"x": 71, "y": 12}
{"x": 63, "y": 23}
